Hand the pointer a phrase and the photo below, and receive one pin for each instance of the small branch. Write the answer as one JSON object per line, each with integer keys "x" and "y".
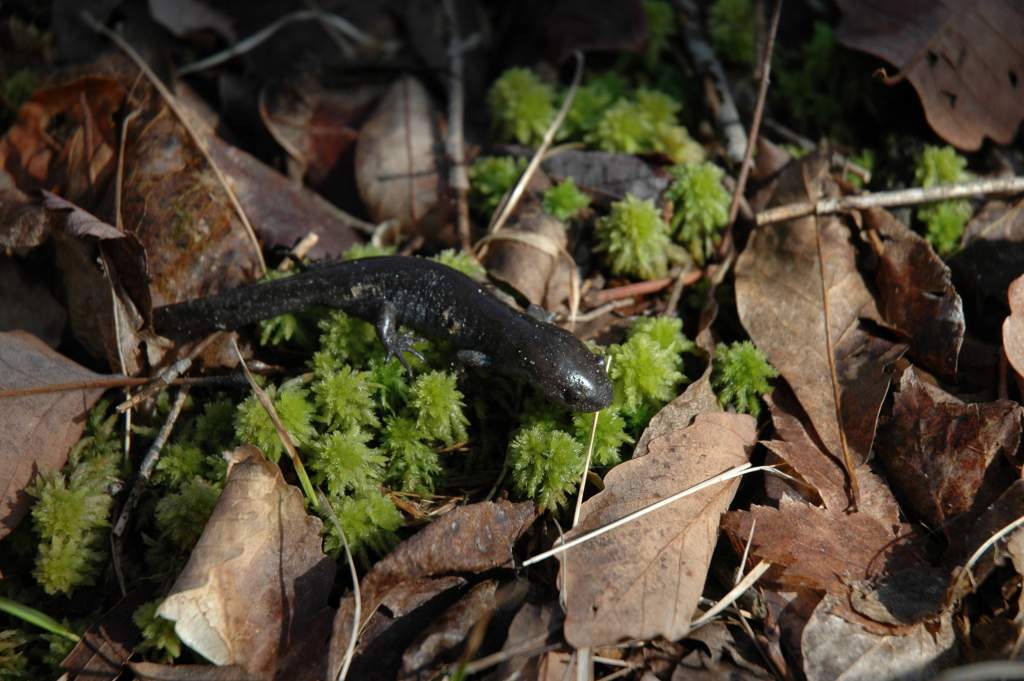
{"x": 734, "y": 593}
{"x": 900, "y": 197}
{"x": 989, "y": 543}
{"x": 458, "y": 179}
{"x": 727, "y": 117}
{"x": 638, "y": 288}
{"x": 149, "y": 463}
{"x": 168, "y": 375}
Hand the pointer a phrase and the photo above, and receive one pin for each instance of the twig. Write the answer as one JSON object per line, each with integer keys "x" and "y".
{"x": 357, "y": 597}
{"x": 327, "y": 19}
{"x": 113, "y": 382}
{"x": 457, "y": 177}
{"x": 989, "y": 543}
{"x": 149, "y": 463}
{"x": 168, "y": 375}
{"x": 590, "y": 454}
{"x": 172, "y": 104}
{"x": 755, "y": 123}
{"x": 851, "y": 472}
{"x": 685, "y": 278}
{"x": 704, "y": 60}
{"x": 742, "y": 469}
{"x": 734, "y": 593}
{"x": 638, "y": 288}
{"x": 591, "y": 315}
{"x": 531, "y": 647}
{"x": 899, "y": 197}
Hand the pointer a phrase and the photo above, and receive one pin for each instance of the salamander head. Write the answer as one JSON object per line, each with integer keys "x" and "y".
{"x": 564, "y": 370}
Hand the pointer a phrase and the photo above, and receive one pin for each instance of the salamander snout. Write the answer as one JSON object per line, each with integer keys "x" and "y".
{"x": 567, "y": 372}
{"x": 587, "y": 387}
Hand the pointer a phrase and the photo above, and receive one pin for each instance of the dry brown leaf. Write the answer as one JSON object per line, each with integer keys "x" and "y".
{"x": 1001, "y": 512}
{"x": 837, "y": 650}
{"x": 779, "y": 300}
{"x": 531, "y": 628}
{"x": 105, "y": 648}
{"x": 987, "y": 263}
{"x": 698, "y": 398}
{"x": 151, "y": 671}
{"x": 258, "y": 578}
{"x": 962, "y": 57}
{"x": 182, "y": 17}
{"x": 916, "y": 294}
{"x": 944, "y": 457}
{"x": 644, "y": 579}
{"x": 397, "y": 167}
{"x": 23, "y": 221}
{"x": 1013, "y": 328}
{"x": 450, "y": 629}
{"x": 606, "y": 175}
{"x": 469, "y": 539}
{"x": 36, "y": 431}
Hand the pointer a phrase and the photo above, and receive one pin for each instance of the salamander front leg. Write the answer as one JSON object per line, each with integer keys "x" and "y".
{"x": 395, "y": 341}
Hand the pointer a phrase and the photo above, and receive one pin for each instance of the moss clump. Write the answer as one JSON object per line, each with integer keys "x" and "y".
{"x": 159, "y": 642}
{"x": 253, "y": 424}
{"x": 72, "y": 509}
{"x": 740, "y": 376}
{"x": 546, "y": 464}
{"x": 439, "y": 407}
{"x": 635, "y": 239}
{"x": 660, "y": 29}
{"x": 645, "y": 124}
{"x": 490, "y": 178}
{"x": 463, "y": 262}
{"x": 564, "y": 200}
{"x": 646, "y": 370}
{"x": 522, "y": 106}
{"x": 945, "y": 220}
{"x": 700, "y": 207}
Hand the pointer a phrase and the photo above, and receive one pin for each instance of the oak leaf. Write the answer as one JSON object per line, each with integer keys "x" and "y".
{"x": 1013, "y": 328}
{"x": 645, "y": 578}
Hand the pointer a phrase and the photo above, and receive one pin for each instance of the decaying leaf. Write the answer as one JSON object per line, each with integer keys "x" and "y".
{"x": 107, "y": 645}
{"x": 1013, "y": 328}
{"x": 945, "y": 457}
{"x": 962, "y": 57}
{"x": 916, "y": 294}
{"x": 962, "y": 545}
{"x": 397, "y": 169}
{"x": 530, "y": 629}
{"x": 989, "y": 260}
{"x": 23, "y": 221}
{"x": 780, "y": 303}
{"x": 36, "y": 431}
{"x": 258, "y": 577}
{"x": 449, "y": 630}
{"x": 607, "y": 175}
{"x": 28, "y": 305}
{"x": 470, "y": 539}
{"x": 834, "y": 649}
{"x": 698, "y": 398}
{"x": 645, "y": 578}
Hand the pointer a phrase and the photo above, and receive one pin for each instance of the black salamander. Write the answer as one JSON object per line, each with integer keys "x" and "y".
{"x": 434, "y": 300}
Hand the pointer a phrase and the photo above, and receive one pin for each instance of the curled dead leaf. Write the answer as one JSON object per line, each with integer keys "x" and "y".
{"x": 1013, "y": 328}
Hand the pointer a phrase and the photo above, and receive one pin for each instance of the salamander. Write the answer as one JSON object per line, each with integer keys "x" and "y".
{"x": 428, "y": 297}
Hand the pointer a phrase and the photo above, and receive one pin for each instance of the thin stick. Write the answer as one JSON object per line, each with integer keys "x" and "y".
{"x": 149, "y": 463}
{"x": 341, "y": 24}
{"x": 638, "y": 288}
{"x": 989, "y": 543}
{"x": 457, "y": 176}
{"x": 755, "y": 123}
{"x": 734, "y": 593}
{"x": 851, "y": 472}
{"x": 357, "y": 598}
{"x": 685, "y": 278}
{"x": 590, "y": 454}
{"x": 531, "y": 647}
{"x": 900, "y": 197}
{"x": 172, "y": 104}
{"x": 725, "y": 476}
{"x": 168, "y": 375}
{"x": 591, "y": 315}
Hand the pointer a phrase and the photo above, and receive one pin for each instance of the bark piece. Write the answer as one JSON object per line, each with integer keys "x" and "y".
{"x": 644, "y": 579}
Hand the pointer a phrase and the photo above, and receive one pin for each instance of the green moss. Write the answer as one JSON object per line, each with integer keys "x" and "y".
{"x": 624, "y": 128}
{"x": 546, "y": 464}
{"x": 490, "y": 178}
{"x": 731, "y": 26}
{"x": 439, "y": 407}
{"x": 369, "y": 520}
{"x": 635, "y": 239}
{"x": 13, "y": 663}
{"x": 181, "y": 516}
{"x": 253, "y": 424}
{"x": 463, "y": 262}
{"x": 345, "y": 340}
{"x": 414, "y": 466}
{"x": 645, "y": 376}
{"x": 159, "y": 642}
{"x": 589, "y": 104}
{"x": 740, "y": 376}
{"x": 645, "y": 124}
{"x": 18, "y": 88}
{"x": 346, "y": 398}
{"x": 667, "y": 332}
{"x": 72, "y": 509}
{"x": 701, "y": 207}
{"x": 945, "y": 220}
{"x": 521, "y": 105}
{"x": 345, "y": 462}
{"x": 609, "y": 437}
{"x": 564, "y": 200}
{"x": 360, "y": 251}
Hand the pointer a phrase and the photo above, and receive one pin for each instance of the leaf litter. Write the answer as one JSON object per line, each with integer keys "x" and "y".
{"x": 892, "y": 539}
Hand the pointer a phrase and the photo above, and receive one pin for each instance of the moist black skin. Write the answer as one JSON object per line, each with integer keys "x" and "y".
{"x": 430, "y": 298}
